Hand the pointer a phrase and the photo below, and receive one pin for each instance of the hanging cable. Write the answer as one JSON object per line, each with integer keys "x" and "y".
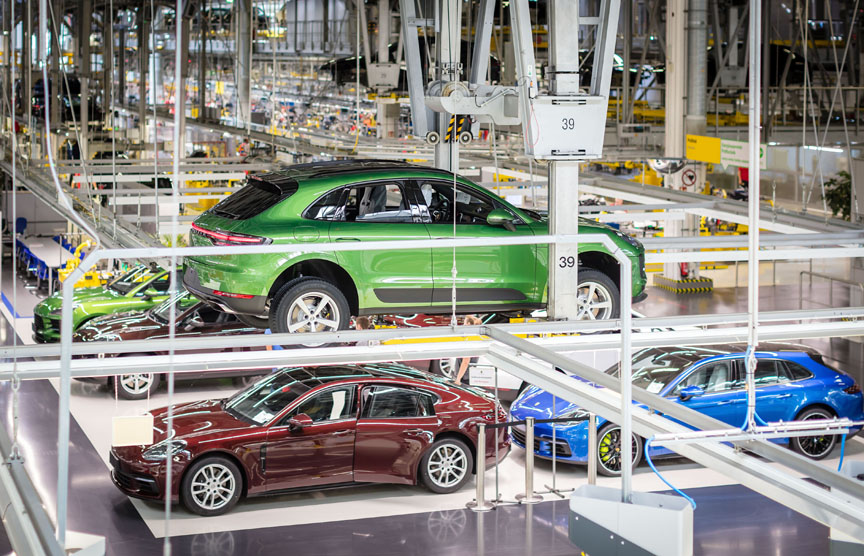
{"x": 110, "y": 84}
{"x": 661, "y": 477}
{"x": 14, "y": 452}
{"x": 842, "y": 450}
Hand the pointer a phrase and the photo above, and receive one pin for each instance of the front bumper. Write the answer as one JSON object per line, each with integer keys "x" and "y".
{"x": 45, "y": 329}
{"x": 143, "y": 479}
{"x": 567, "y": 447}
{"x": 256, "y": 306}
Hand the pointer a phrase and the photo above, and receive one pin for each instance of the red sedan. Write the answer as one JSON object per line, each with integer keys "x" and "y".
{"x": 310, "y": 428}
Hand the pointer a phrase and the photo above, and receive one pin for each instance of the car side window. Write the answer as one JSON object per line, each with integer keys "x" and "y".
{"x": 329, "y": 207}
{"x": 712, "y": 378}
{"x": 795, "y": 371}
{"x": 471, "y": 207}
{"x": 768, "y": 372}
{"x": 329, "y": 405}
{"x": 383, "y": 202}
{"x": 388, "y": 402}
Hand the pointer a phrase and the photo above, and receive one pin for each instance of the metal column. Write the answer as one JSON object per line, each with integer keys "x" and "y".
{"x": 676, "y": 79}
{"x": 563, "y": 175}
{"x": 85, "y": 15}
{"x": 143, "y": 66}
{"x": 202, "y": 62}
{"x": 122, "y": 97}
{"x": 181, "y": 74}
{"x": 244, "y": 61}
{"x": 448, "y": 47}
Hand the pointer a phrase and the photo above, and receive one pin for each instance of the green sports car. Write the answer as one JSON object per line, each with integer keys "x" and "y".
{"x": 140, "y": 288}
{"x": 370, "y": 200}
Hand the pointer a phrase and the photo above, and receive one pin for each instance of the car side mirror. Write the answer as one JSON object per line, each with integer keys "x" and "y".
{"x": 500, "y": 217}
{"x": 299, "y": 421}
{"x": 690, "y": 392}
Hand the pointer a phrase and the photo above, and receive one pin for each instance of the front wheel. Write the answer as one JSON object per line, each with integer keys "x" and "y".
{"x": 598, "y": 298}
{"x": 309, "y": 305}
{"x": 609, "y": 450}
{"x": 814, "y": 447}
{"x": 211, "y": 486}
{"x": 446, "y": 466}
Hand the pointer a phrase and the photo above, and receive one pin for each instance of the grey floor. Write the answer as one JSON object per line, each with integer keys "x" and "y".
{"x": 728, "y": 520}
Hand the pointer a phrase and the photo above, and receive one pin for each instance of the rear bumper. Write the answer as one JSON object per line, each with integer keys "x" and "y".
{"x": 256, "y": 305}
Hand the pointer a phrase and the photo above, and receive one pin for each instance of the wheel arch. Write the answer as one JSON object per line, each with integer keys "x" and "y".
{"x": 323, "y": 269}
{"x": 602, "y": 262}
{"x": 816, "y": 405}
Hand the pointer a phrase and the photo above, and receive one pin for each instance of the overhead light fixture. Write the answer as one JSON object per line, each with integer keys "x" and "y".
{"x": 826, "y": 149}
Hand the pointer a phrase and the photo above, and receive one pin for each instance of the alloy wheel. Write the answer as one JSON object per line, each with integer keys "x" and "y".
{"x": 136, "y": 384}
{"x": 816, "y": 447}
{"x": 313, "y": 312}
{"x": 213, "y": 486}
{"x": 447, "y": 465}
{"x": 609, "y": 450}
{"x": 447, "y": 367}
{"x": 594, "y": 302}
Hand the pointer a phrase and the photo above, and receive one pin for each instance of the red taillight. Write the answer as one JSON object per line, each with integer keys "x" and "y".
{"x": 222, "y": 238}
{"x": 854, "y": 389}
{"x": 233, "y": 295}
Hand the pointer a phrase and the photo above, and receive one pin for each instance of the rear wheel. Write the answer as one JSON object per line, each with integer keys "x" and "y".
{"x": 599, "y": 297}
{"x": 136, "y": 386}
{"x": 609, "y": 450}
{"x": 309, "y": 305}
{"x": 814, "y": 447}
{"x": 446, "y": 466}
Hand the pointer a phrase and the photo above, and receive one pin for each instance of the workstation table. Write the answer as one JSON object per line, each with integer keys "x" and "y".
{"x": 48, "y": 252}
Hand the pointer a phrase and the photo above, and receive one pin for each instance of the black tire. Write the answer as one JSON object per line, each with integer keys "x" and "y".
{"x": 599, "y": 297}
{"x": 135, "y": 386}
{"x": 254, "y": 322}
{"x": 814, "y": 447}
{"x": 211, "y": 477}
{"x": 434, "y": 471}
{"x": 283, "y": 307}
{"x": 608, "y": 448}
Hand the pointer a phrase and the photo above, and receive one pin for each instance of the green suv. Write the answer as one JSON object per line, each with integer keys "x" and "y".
{"x": 371, "y": 200}
{"x": 140, "y": 288}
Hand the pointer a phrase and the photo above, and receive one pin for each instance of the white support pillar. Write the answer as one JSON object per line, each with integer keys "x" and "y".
{"x": 563, "y": 175}
{"x": 676, "y": 81}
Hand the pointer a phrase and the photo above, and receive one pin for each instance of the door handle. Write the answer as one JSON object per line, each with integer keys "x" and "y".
{"x": 347, "y": 239}
{"x": 342, "y": 432}
{"x": 414, "y": 432}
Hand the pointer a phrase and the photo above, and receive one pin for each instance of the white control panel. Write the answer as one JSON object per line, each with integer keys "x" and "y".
{"x": 566, "y": 127}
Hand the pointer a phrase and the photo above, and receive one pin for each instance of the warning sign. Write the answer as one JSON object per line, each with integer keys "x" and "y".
{"x": 721, "y": 151}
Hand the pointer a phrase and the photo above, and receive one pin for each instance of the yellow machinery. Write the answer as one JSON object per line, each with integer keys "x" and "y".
{"x": 91, "y": 278}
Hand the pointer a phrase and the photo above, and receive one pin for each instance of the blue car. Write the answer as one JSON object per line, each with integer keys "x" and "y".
{"x": 792, "y": 383}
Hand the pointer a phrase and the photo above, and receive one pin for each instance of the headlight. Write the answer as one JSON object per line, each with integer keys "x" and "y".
{"x": 159, "y": 451}
{"x": 576, "y": 414}
{"x": 632, "y": 241}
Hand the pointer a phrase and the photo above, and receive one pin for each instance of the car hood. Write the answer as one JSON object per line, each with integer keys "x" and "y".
{"x": 123, "y": 326}
{"x": 197, "y": 419}
{"x": 81, "y": 295}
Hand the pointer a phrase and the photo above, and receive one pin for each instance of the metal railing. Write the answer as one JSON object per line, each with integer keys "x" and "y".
{"x": 831, "y": 281}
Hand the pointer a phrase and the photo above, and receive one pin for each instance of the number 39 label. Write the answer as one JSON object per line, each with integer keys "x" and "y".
{"x": 566, "y": 262}
{"x": 568, "y": 124}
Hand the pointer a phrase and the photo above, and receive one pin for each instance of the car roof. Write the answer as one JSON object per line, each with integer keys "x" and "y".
{"x": 702, "y": 352}
{"x": 312, "y": 170}
{"x": 318, "y": 376}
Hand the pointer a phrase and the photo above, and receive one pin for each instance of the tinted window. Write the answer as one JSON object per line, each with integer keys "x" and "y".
{"x": 265, "y": 399}
{"x": 653, "y": 369}
{"x": 471, "y": 207}
{"x": 377, "y": 203}
{"x": 126, "y": 282}
{"x": 713, "y": 377}
{"x": 328, "y": 207}
{"x": 253, "y": 199}
{"x": 796, "y": 372}
{"x": 387, "y": 402}
{"x": 769, "y": 371}
{"x": 333, "y": 404}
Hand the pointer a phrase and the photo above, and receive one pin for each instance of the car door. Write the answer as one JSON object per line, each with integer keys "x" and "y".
{"x": 773, "y": 394}
{"x": 396, "y": 426}
{"x": 487, "y": 275}
{"x": 724, "y": 398}
{"x": 385, "y": 278}
{"x": 319, "y": 454}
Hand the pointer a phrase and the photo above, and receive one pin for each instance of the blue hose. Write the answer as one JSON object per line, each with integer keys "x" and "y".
{"x": 662, "y": 478}
{"x": 842, "y": 450}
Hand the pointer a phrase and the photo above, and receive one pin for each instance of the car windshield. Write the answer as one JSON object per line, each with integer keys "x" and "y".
{"x": 267, "y": 398}
{"x": 162, "y": 312}
{"x": 653, "y": 369}
{"x": 126, "y": 282}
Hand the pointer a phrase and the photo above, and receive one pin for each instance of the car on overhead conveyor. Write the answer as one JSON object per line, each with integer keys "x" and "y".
{"x": 314, "y": 428}
{"x": 138, "y": 289}
{"x": 793, "y": 383}
{"x": 193, "y": 318}
{"x": 372, "y": 200}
